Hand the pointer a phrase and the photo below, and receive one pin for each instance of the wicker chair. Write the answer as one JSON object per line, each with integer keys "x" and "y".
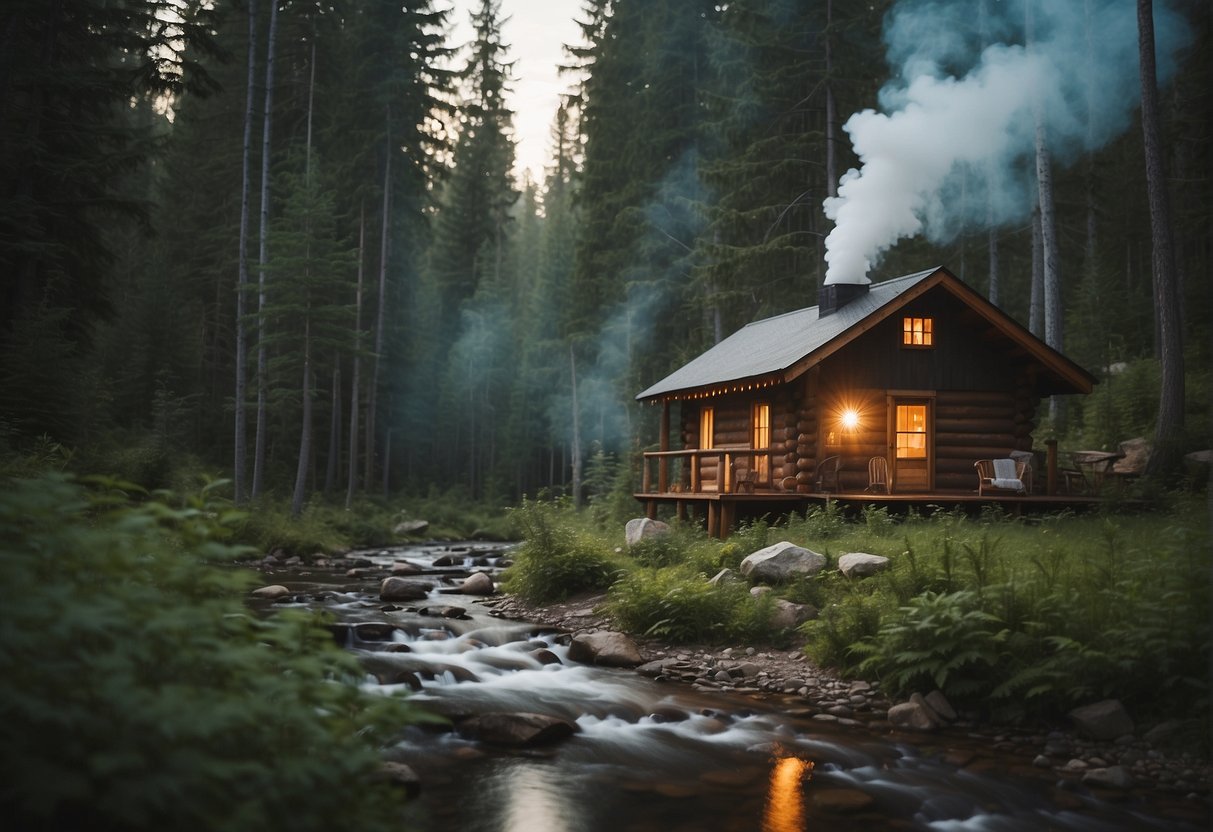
{"x": 825, "y": 478}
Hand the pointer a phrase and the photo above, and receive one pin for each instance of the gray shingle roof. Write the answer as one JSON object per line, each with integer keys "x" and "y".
{"x": 775, "y": 344}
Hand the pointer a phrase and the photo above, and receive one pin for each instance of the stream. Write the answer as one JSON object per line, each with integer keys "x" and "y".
{"x": 648, "y": 755}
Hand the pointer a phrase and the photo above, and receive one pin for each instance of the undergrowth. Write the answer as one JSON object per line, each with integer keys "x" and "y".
{"x": 1017, "y": 617}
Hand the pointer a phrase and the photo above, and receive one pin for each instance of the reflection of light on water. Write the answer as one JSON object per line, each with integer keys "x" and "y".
{"x": 532, "y": 802}
{"x": 785, "y": 801}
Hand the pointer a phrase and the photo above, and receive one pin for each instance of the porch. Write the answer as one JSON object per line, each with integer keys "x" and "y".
{"x": 740, "y": 490}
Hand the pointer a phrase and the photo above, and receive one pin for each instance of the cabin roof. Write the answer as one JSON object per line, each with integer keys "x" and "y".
{"x": 780, "y": 348}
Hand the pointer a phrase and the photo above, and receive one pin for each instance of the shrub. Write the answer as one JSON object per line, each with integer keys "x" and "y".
{"x": 138, "y": 692}
{"x": 679, "y": 605}
{"x": 555, "y": 560}
{"x": 938, "y": 640}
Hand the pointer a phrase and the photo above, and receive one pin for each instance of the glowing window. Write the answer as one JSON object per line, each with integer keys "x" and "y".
{"x": 761, "y": 438}
{"x": 917, "y": 332}
{"x": 911, "y": 431}
{"x": 707, "y": 426}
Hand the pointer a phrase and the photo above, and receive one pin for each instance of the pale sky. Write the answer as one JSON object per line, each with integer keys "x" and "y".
{"x": 535, "y": 32}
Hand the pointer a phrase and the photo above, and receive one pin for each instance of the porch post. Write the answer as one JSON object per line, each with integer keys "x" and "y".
{"x": 663, "y": 464}
{"x": 650, "y": 509}
{"x": 713, "y": 518}
{"x": 1051, "y": 467}
{"x": 728, "y": 511}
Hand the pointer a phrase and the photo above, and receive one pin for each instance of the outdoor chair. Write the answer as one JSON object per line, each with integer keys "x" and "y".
{"x": 878, "y": 475}
{"x": 825, "y": 478}
{"x": 1000, "y": 476}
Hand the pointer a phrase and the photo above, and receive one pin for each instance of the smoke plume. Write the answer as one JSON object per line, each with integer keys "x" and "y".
{"x": 951, "y": 146}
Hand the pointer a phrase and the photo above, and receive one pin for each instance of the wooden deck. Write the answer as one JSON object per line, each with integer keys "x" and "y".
{"x": 721, "y": 511}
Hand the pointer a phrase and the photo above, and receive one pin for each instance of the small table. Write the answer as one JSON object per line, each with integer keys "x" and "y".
{"x": 1096, "y": 463}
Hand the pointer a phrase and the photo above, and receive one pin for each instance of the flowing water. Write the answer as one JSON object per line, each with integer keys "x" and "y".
{"x": 648, "y": 755}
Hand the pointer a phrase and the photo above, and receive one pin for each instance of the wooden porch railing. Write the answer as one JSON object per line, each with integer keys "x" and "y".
{"x": 725, "y": 459}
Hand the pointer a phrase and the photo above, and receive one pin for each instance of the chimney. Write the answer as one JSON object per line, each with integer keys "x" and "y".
{"x": 834, "y": 296}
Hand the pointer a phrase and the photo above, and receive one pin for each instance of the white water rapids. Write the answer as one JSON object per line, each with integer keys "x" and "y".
{"x": 646, "y": 755}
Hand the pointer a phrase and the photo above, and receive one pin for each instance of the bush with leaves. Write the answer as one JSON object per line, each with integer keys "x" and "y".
{"x": 137, "y": 691}
{"x": 556, "y": 559}
{"x": 678, "y": 604}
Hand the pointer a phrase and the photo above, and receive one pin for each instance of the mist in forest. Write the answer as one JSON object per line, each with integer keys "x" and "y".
{"x": 952, "y": 144}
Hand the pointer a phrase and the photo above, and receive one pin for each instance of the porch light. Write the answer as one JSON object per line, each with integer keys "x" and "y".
{"x": 850, "y": 419}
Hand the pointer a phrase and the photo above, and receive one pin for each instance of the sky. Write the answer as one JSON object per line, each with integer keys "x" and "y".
{"x": 535, "y": 32}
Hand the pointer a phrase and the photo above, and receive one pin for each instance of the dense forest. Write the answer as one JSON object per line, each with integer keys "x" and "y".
{"x": 280, "y": 241}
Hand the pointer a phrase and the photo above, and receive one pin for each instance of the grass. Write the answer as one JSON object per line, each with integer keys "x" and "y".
{"x": 1019, "y": 617}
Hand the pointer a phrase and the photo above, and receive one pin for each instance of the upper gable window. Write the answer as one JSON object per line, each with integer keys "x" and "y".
{"x": 917, "y": 332}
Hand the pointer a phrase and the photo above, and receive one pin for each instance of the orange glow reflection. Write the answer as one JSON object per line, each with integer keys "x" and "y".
{"x": 785, "y": 800}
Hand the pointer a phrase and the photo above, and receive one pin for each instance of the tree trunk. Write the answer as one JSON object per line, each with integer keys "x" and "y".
{"x": 240, "y": 461}
{"x": 1036, "y": 304}
{"x": 352, "y": 473}
{"x": 576, "y": 443}
{"x": 263, "y": 259}
{"x": 1168, "y": 431}
{"x": 373, "y": 391}
{"x": 831, "y": 112}
{"x": 305, "y": 433}
{"x": 334, "y": 455}
{"x": 1050, "y": 255}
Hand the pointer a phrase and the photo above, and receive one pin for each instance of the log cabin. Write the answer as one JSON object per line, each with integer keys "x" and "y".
{"x": 894, "y": 389}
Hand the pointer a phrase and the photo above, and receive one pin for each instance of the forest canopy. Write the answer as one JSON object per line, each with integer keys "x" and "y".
{"x": 281, "y": 241}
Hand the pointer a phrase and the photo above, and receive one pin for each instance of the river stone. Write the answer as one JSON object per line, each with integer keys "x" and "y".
{"x": 782, "y": 562}
{"x": 641, "y": 528}
{"x": 1112, "y": 777}
{"x": 517, "y": 730}
{"x": 604, "y": 648}
{"x": 861, "y": 564}
{"x": 913, "y": 715}
{"x": 411, "y": 527}
{"x": 398, "y": 589}
{"x": 939, "y": 704}
{"x": 1104, "y": 720}
{"x": 403, "y": 567}
{"x": 273, "y": 593}
{"x": 840, "y": 801}
{"x": 399, "y": 774}
{"x": 477, "y": 584}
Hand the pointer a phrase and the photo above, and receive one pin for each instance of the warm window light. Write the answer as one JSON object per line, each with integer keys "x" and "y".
{"x": 850, "y": 419}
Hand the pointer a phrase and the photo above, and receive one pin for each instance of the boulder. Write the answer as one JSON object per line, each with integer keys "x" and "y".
{"x": 861, "y": 564}
{"x": 1104, "y": 720}
{"x": 782, "y": 562}
{"x": 273, "y": 593}
{"x": 398, "y": 589}
{"x": 939, "y": 704}
{"x": 788, "y": 615}
{"x": 517, "y": 730}
{"x": 640, "y": 528}
{"x": 913, "y": 715}
{"x": 409, "y": 528}
{"x": 724, "y": 576}
{"x": 478, "y": 583}
{"x": 604, "y": 648}
{"x": 403, "y": 567}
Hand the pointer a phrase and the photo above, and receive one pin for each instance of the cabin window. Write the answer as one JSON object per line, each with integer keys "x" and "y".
{"x": 761, "y": 438}
{"x": 911, "y": 440}
{"x": 707, "y": 426}
{"x": 917, "y": 332}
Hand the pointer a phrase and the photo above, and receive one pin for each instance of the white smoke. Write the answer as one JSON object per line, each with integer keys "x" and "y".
{"x": 957, "y": 117}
